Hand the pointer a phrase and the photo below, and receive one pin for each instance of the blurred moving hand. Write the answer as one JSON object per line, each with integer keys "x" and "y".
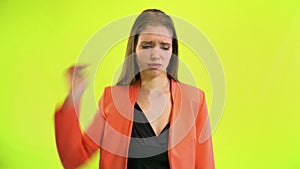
{"x": 77, "y": 82}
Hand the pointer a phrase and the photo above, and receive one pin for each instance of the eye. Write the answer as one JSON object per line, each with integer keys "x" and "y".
{"x": 146, "y": 46}
{"x": 165, "y": 47}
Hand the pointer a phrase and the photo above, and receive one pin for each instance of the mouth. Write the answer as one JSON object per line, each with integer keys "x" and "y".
{"x": 154, "y": 65}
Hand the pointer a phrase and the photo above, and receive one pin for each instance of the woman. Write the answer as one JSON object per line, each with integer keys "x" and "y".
{"x": 149, "y": 119}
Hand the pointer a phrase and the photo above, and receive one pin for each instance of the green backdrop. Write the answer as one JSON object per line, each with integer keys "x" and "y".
{"x": 258, "y": 43}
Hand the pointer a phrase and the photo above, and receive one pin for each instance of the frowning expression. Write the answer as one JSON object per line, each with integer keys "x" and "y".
{"x": 154, "y": 50}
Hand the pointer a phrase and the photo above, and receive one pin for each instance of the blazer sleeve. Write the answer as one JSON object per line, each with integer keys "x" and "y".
{"x": 74, "y": 146}
{"x": 204, "y": 148}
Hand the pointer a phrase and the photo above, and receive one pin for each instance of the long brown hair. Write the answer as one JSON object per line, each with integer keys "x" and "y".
{"x": 150, "y": 17}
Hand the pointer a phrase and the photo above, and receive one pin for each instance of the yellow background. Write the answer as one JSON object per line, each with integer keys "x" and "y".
{"x": 258, "y": 43}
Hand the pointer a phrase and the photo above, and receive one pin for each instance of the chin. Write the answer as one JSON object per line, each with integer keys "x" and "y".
{"x": 155, "y": 72}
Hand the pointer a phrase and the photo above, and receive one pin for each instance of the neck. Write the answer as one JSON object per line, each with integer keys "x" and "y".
{"x": 150, "y": 84}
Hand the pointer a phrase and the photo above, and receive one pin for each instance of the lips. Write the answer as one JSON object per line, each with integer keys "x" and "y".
{"x": 154, "y": 65}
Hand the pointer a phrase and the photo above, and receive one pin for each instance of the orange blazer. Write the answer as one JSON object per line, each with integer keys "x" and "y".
{"x": 190, "y": 143}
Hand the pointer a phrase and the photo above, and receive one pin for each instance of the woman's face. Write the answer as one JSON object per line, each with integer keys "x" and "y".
{"x": 154, "y": 50}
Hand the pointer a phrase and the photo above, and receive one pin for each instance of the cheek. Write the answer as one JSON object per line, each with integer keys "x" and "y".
{"x": 167, "y": 58}
{"x": 143, "y": 54}
{"x": 141, "y": 60}
{"x": 141, "y": 57}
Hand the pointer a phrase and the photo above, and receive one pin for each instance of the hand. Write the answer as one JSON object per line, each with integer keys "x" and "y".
{"x": 76, "y": 80}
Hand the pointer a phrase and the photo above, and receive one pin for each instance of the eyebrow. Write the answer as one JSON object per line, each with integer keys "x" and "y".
{"x": 165, "y": 43}
{"x": 150, "y": 42}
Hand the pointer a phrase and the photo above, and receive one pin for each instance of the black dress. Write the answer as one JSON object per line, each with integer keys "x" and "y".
{"x": 146, "y": 150}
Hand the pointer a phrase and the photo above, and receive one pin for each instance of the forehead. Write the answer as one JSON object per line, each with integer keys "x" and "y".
{"x": 157, "y": 33}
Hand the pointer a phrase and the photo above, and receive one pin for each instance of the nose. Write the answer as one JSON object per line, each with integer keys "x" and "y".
{"x": 155, "y": 54}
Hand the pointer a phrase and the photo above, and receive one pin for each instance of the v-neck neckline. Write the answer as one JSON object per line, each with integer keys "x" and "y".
{"x": 148, "y": 124}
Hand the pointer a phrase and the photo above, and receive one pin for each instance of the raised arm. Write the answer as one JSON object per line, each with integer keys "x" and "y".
{"x": 74, "y": 146}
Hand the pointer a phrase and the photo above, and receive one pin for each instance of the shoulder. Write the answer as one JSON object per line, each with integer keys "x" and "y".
{"x": 109, "y": 90}
{"x": 113, "y": 99}
{"x": 117, "y": 93}
{"x": 189, "y": 90}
